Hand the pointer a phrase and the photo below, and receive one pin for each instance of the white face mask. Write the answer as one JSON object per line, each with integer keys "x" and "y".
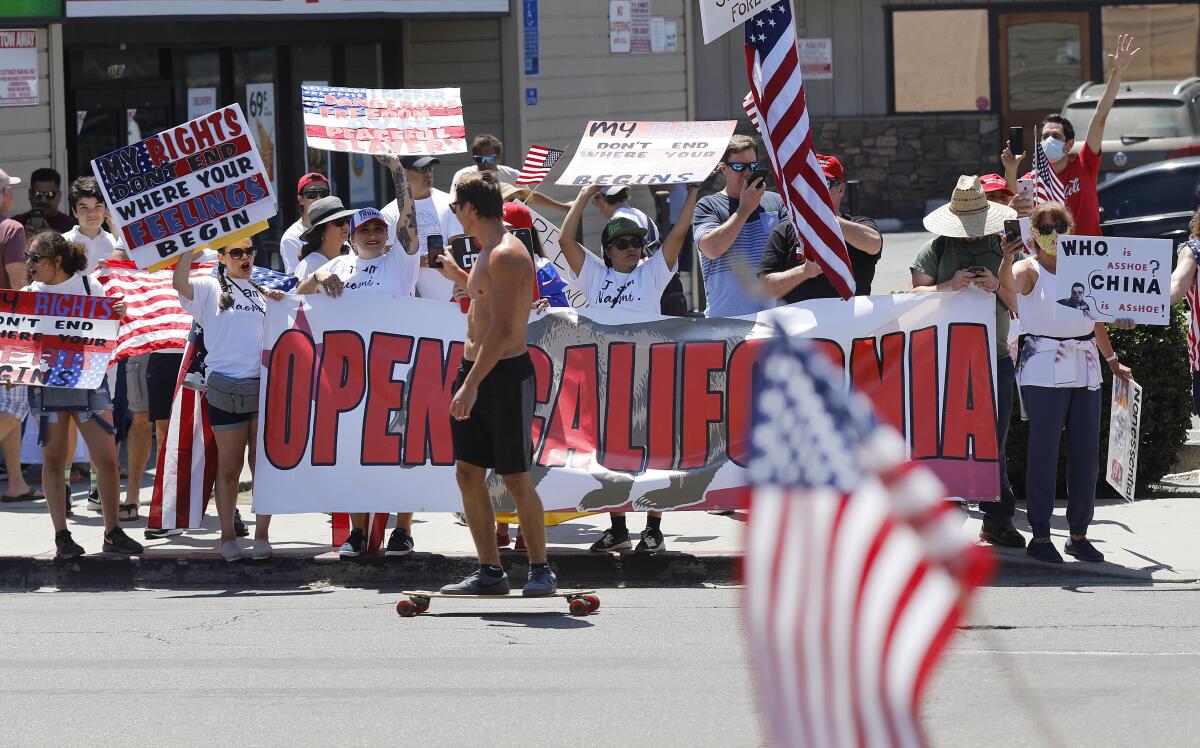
{"x": 1055, "y": 149}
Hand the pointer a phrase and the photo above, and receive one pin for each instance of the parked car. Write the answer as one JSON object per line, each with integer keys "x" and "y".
{"x": 1152, "y": 201}
{"x": 1150, "y": 121}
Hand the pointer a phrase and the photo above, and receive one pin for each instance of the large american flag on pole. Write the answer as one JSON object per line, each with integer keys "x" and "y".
{"x": 857, "y": 568}
{"x": 773, "y": 64}
{"x": 155, "y": 321}
{"x": 1049, "y": 188}
{"x": 538, "y": 163}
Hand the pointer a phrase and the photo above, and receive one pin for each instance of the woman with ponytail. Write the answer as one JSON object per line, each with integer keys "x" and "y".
{"x": 231, "y": 309}
{"x": 57, "y": 266}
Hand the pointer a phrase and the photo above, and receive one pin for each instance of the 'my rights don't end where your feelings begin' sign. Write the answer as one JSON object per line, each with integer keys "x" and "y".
{"x": 56, "y": 340}
{"x": 200, "y": 184}
{"x": 403, "y": 122}
{"x": 647, "y": 152}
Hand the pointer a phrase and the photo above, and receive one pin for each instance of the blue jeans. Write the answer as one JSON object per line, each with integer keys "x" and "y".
{"x": 1051, "y": 410}
{"x": 998, "y": 515}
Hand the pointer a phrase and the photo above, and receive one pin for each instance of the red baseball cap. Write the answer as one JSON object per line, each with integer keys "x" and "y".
{"x": 995, "y": 183}
{"x": 832, "y": 167}
{"x": 309, "y": 178}
{"x": 517, "y": 216}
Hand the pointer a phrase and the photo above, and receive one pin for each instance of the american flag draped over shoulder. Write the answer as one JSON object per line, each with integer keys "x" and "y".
{"x": 1050, "y": 188}
{"x": 773, "y": 64}
{"x": 538, "y": 163}
{"x": 187, "y": 462}
{"x": 857, "y": 569}
{"x": 154, "y": 321}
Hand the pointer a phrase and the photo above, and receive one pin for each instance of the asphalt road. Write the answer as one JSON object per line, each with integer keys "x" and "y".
{"x": 1101, "y": 666}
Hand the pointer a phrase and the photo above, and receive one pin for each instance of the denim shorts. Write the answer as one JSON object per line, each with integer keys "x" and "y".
{"x": 99, "y": 401}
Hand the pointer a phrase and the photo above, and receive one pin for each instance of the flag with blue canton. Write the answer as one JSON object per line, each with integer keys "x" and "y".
{"x": 270, "y": 279}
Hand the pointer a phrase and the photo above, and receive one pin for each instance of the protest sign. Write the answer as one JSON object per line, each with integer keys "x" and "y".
{"x": 200, "y": 184}
{"x": 647, "y": 152}
{"x": 55, "y": 339}
{"x": 548, "y": 233}
{"x": 1109, "y": 278}
{"x": 719, "y": 17}
{"x": 1124, "y": 430}
{"x": 633, "y": 411}
{"x": 373, "y": 120}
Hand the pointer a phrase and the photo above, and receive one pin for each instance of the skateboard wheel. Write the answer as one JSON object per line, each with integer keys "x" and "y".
{"x": 422, "y": 604}
{"x": 579, "y": 607}
{"x": 593, "y": 603}
{"x": 407, "y": 609}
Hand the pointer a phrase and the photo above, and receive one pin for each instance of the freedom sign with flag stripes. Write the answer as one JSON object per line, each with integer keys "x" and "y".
{"x": 777, "y": 89}
{"x": 857, "y": 568}
{"x": 538, "y": 163}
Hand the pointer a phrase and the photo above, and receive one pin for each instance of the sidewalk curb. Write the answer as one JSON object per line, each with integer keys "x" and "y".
{"x": 1016, "y": 567}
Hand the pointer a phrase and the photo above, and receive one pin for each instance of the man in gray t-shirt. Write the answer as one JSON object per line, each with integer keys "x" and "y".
{"x": 731, "y": 229}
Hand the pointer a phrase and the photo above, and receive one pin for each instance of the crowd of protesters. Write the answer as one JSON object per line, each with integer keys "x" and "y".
{"x": 751, "y": 258}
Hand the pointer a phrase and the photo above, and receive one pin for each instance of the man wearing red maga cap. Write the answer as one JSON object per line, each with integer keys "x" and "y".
{"x": 996, "y": 188}
{"x": 786, "y": 274}
{"x": 312, "y": 186}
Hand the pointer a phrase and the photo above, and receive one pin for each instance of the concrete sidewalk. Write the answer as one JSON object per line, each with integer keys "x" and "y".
{"x": 1145, "y": 541}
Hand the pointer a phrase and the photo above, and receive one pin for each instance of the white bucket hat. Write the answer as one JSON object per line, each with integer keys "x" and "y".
{"x": 968, "y": 214}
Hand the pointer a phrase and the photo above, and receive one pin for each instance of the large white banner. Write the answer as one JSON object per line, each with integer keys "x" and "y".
{"x": 633, "y": 412}
{"x": 647, "y": 152}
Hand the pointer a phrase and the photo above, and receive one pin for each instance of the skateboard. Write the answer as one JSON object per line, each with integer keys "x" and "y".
{"x": 579, "y": 602}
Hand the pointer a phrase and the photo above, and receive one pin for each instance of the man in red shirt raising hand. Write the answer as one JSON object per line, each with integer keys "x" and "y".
{"x": 1078, "y": 173}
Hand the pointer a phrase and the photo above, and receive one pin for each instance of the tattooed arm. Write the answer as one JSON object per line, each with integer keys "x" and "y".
{"x": 406, "y": 225}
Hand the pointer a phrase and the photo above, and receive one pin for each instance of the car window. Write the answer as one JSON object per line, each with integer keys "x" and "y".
{"x": 1150, "y": 194}
{"x": 1146, "y": 118}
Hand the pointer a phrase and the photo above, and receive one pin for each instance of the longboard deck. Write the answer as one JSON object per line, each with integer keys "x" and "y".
{"x": 513, "y": 594}
{"x": 579, "y": 602}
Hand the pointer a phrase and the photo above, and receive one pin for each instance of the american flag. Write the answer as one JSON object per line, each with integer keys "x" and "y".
{"x": 538, "y": 163}
{"x": 773, "y": 64}
{"x": 751, "y": 109}
{"x": 857, "y": 569}
{"x": 1049, "y": 187}
{"x": 155, "y": 321}
{"x": 184, "y": 478}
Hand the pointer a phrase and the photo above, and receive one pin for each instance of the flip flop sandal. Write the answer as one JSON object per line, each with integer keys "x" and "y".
{"x": 30, "y": 495}
{"x": 128, "y": 513}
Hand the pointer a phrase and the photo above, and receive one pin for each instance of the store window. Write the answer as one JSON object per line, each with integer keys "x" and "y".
{"x": 949, "y": 76}
{"x": 198, "y": 82}
{"x": 312, "y": 63}
{"x": 1045, "y": 62}
{"x": 254, "y": 89}
{"x": 363, "y": 68}
{"x": 1169, "y": 37}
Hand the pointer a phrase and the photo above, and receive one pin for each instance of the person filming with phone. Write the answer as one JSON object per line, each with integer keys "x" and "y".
{"x": 968, "y": 251}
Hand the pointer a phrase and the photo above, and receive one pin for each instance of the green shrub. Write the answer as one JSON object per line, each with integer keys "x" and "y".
{"x": 1158, "y": 357}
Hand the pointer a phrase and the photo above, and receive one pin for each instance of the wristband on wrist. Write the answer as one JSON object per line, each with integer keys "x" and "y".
{"x": 1111, "y": 358}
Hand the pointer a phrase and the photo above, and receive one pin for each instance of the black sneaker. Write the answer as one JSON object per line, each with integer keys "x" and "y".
{"x": 93, "y": 501}
{"x": 542, "y": 582}
{"x": 239, "y": 527}
{"x": 1044, "y": 551}
{"x": 161, "y": 533}
{"x": 1083, "y": 550}
{"x": 66, "y": 547}
{"x": 355, "y": 545}
{"x": 651, "y": 542}
{"x": 1007, "y": 537}
{"x": 399, "y": 544}
{"x": 612, "y": 540}
{"x": 116, "y": 541}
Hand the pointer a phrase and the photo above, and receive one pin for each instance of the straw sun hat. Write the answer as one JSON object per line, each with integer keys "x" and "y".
{"x": 968, "y": 214}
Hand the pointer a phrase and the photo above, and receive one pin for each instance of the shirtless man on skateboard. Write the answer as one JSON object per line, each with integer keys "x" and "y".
{"x": 492, "y": 410}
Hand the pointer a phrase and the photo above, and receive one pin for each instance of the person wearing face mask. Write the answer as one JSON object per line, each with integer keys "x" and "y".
{"x": 967, "y": 251}
{"x": 1058, "y": 371}
{"x": 1078, "y": 172}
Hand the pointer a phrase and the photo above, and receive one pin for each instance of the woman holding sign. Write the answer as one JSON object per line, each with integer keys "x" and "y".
{"x": 231, "y": 308}
{"x": 57, "y": 266}
{"x": 1058, "y": 373}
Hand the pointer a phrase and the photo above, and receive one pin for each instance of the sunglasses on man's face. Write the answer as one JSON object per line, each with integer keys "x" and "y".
{"x": 831, "y": 183}
{"x": 34, "y": 257}
{"x": 739, "y": 167}
{"x": 422, "y": 169}
{"x": 628, "y": 242}
{"x": 239, "y": 253}
{"x": 1046, "y": 229}
{"x": 44, "y": 194}
{"x": 486, "y": 159}
{"x": 316, "y": 194}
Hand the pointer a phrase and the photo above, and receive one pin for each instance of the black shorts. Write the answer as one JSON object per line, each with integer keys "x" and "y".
{"x": 499, "y": 433}
{"x": 221, "y": 420}
{"x": 162, "y": 371}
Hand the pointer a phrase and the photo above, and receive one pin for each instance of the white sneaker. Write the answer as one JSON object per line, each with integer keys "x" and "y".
{"x": 230, "y": 551}
{"x": 260, "y": 550}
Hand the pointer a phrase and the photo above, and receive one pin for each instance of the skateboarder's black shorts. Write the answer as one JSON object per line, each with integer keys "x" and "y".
{"x": 499, "y": 433}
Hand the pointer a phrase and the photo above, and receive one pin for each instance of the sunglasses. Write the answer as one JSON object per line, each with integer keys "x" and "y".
{"x": 454, "y": 207}
{"x": 422, "y": 170}
{"x": 34, "y": 257}
{"x": 831, "y": 183}
{"x": 628, "y": 242}
{"x": 1046, "y": 229}
{"x": 486, "y": 159}
{"x": 739, "y": 168}
{"x": 315, "y": 194}
{"x": 44, "y": 194}
{"x": 339, "y": 222}
{"x": 239, "y": 253}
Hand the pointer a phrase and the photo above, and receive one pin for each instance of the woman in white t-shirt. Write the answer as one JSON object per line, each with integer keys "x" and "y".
{"x": 634, "y": 283}
{"x": 231, "y": 309}
{"x": 376, "y": 268}
{"x": 325, "y": 240}
{"x": 56, "y": 265}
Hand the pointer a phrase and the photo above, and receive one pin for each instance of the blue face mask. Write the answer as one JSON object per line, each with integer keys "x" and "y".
{"x": 1055, "y": 149}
